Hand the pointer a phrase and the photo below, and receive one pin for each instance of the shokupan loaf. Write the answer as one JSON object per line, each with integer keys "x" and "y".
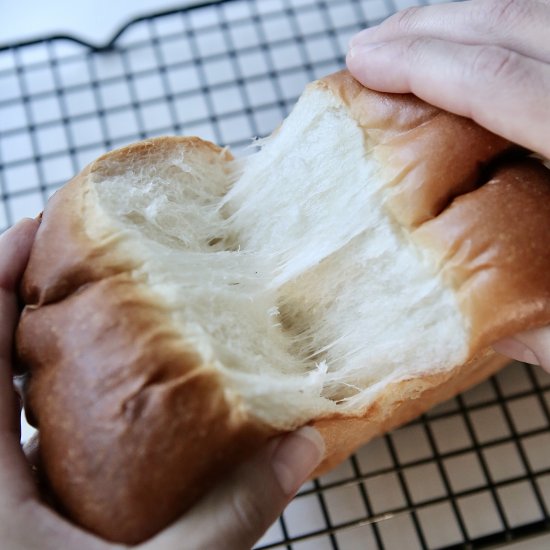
{"x": 182, "y": 306}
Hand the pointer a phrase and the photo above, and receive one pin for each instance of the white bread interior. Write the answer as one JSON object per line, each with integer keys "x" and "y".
{"x": 284, "y": 271}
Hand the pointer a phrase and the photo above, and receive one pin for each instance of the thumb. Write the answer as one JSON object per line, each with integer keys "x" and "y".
{"x": 238, "y": 512}
{"x": 531, "y": 346}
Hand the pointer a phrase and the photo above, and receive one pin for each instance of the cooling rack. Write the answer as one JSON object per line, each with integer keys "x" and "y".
{"x": 473, "y": 472}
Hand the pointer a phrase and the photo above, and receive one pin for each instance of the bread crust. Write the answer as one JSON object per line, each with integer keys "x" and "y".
{"x": 399, "y": 403}
{"x": 492, "y": 246}
{"x": 134, "y": 428}
{"x": 419, "y": 146}
{"x": 486, "y": 228}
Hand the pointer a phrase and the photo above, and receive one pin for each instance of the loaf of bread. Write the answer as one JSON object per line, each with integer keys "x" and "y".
{"x": 182, "y": 306}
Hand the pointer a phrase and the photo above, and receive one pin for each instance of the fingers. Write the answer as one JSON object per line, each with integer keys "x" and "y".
{"x": 484, "y": 59}
{"x": 501, "y": 90}
{"x": 14, "y": 252}
{"x": 531, "y": 346}
{"x": 237, "y": 513}
{"x": 32, "y": 526}
{"x": 15, "y": 478}
{"x": 518, "y": 25}
{"x": 24, "y": 521}
{"x": 15, "y": 247}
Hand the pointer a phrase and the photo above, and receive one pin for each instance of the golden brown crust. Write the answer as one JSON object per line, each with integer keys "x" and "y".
{"x": 399, "y": 403}
{"x": 493, "y": 248}
{"x": 133, "y": 428}
{"x": 465, "y": 199}
{"x": 430, "y": 156}
{"x": 116, "y": 162}
{"x": 62, "y": 237}
{"x": 64, "y": 232}
{"x": 91, "y": 334}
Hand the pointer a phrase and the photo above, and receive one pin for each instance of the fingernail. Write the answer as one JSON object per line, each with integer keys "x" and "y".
{"x": 514, "y": 348}
{"x": 297, "y": 455}
{"x": 530, "y": 357}
{"x": 361, "y": 50}
{"x": 362, "y": 36}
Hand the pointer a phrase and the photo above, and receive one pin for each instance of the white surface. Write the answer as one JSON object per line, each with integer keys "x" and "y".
{"x": 93, "y": 20}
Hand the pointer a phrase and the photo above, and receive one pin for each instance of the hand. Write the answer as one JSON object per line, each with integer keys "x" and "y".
{"x": 233, "y": 516}
{"x": 488, "y": 60}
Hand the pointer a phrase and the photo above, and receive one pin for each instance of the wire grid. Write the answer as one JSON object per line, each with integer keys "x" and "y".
{"x": 473, "y": 472}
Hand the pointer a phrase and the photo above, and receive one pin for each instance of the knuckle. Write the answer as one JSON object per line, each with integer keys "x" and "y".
{"x": 249, "y": 515}
{"x": 495, "y": 63}
{"x": 405, "y": 20}
{"x": 496, "y": 14}
{"x": 416, "y": 46}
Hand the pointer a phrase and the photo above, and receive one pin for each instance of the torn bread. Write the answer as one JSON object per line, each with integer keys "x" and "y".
{"x": 182, "y": 306}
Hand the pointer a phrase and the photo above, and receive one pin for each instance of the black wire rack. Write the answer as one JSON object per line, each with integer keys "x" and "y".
{"x": 472, "y": 473}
